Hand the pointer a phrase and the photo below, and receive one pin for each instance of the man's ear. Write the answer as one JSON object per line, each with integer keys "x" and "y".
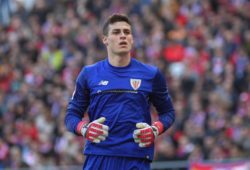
{"x": 105, "y": 40}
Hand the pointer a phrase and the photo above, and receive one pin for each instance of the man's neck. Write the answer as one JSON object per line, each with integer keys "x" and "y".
{"x": 119, "y": 61}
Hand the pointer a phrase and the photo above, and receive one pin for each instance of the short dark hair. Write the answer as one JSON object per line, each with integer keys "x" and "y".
{"x": 113, "y": 19}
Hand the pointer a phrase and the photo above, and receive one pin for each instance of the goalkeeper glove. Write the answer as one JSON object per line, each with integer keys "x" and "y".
{"x": 145, "y": 134}
{"x": 94, "y": 131}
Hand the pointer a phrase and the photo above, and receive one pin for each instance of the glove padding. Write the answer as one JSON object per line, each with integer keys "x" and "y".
{"x": 145, "y": 134}
{"x": 95, "y": 131}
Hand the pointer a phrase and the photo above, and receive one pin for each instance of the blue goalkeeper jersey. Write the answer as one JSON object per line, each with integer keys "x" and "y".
{"x": 123, "y": 96}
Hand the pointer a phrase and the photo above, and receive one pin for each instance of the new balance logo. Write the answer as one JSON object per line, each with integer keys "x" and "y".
{"x": 103, "y": 83}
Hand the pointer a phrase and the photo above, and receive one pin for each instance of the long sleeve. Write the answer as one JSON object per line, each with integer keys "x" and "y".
{"x": 162, "y": 101}
{"x": 78, "y": 103}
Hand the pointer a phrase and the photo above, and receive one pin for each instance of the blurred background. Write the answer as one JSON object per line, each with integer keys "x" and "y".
{"x": 202, "y": 47}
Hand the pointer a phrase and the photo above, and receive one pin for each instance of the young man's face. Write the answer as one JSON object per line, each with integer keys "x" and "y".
{"x": 119, "y": 40}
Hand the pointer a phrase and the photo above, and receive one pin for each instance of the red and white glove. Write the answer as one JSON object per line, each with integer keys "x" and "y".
{"x": 94, "y": 131}
{"x": 145, "y": 134}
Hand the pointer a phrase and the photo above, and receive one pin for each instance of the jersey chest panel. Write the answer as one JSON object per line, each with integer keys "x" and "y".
{"x": 119, "y": 83}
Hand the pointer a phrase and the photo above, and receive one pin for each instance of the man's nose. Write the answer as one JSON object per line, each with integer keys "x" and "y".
{"x": 123, "y": 35}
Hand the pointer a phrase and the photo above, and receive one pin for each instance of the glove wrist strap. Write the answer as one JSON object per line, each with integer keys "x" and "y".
{"x": 80, "y": 126}
{"x": 159, "y": 126}
{"x": 84, "y": 130}
{"x": 155, "y": 131}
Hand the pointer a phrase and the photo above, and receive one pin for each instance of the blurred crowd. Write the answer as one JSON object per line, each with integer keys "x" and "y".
{"x": 202, "y": 47}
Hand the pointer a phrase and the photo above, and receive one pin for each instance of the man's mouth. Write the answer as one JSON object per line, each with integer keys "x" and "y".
{"x": 123, "y": 43}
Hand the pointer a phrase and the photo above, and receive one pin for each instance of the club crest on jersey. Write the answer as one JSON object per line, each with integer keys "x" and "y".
{"x": 135, "y": 83}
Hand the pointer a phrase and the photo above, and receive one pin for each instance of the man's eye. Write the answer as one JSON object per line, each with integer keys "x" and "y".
{"x": 127, "y": 32}
{"x": 116, "y": 32}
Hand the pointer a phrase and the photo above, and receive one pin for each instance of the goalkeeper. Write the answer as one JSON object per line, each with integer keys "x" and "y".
{"x": 117, "y": 93}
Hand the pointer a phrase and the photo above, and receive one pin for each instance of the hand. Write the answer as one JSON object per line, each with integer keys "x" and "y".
{"x": 95, "y": 131}
{"x": 146, "y": 134}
